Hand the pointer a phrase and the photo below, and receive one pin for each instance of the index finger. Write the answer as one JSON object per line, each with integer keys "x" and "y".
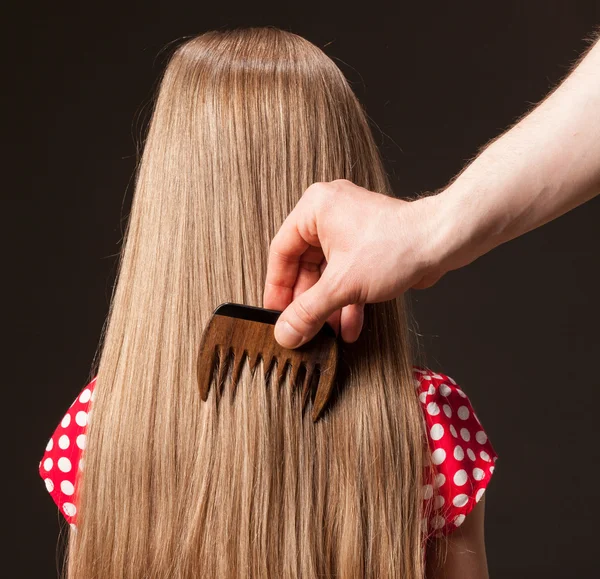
{"x": 286, "y": 253}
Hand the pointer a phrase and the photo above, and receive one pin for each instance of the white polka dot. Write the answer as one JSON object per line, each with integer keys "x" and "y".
{"x": 67, "y": 487}
{"x": 458, "y": 520}
{"x": 463, "y": 413}
{"x": 427, "y": 377}
{"x": 64, "y": 442}
{"x": 74, "y": 527}
{"x": 483, "y": 454}
{"x": 460, "y": 500}
{"x": 491, "y": 469}
{"x": 461, "y": 392}
{"x": 437, "y": 376}
{"x": 440, "y": 479}
{"x": 460, "y": 477}
{"x": 423, "y": 397}
{"x": 66, "y": 420}
{"x": 437, "y": 431}
{"x": 431, "y": 390}
{"x": 415, "y": 382}
{"x": 459, "y": 453}
{"x": 465, "y": 434}
{"x": 48, "y": 464}
{"x": 451, "y": 380}
{"x": 85, "y": 396}
{"x": 81, "y": 418}
{"x": 50, "y": 445}
{"x": 471, "y": 454}
{"x": 81, "y": 464}
{"x": 64, "y": 464}
{"x": 438, "y": 502}
{"x": 478, "y": 474}
{"x": 427, "y": 492}
{"x": 438, "y": 522}
{"x": 479, "y": 495}
{"x": 445, "y": 390}
{"x": 433, "y": 409}
{"x": 447, "y": 410}
{"x": 49, "y": 485}
{"x": 453, "y": 431}
{"x": 93, "y": 396}
{"x": 481, "y": 437}
{"x": 81, "y": 441}
{"x": 438, "y": 456}
{"x": 69, "y": 509}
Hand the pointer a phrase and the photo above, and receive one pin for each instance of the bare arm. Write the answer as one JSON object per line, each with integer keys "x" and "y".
{"x": 462, "y": 554}
{"x": 343, "y": 246}
{"x": 545, "y": 165}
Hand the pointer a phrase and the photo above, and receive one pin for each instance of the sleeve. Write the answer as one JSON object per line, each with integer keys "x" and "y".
{"x": 63, "y": 455}
{"x": 462, "y": 455}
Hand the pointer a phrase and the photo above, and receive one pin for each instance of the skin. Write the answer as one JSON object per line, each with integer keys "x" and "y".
{"x": 461, "y": 555}
{"x": 343, "y": 246}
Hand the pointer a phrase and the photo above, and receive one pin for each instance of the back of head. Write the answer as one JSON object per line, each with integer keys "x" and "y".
{"x": 244, "y": 485}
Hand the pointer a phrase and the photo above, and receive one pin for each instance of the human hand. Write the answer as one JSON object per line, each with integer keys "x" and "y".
{"x": 341, "y": 247}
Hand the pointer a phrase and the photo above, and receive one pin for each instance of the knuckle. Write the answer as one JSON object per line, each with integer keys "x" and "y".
{"x": 336, "y": 187}
{"x": 339, "y": 183}
{"x": 316, "y": 189}
{"x": 321, "y": 189}
{"x": 319, "y": 196}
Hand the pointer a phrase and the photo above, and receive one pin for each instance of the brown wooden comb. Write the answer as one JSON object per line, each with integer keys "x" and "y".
{"x": 236, "y": 331}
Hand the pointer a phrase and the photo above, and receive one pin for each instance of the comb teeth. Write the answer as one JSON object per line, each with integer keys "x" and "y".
{"x": 282, "y": 368}
{"x": 306, "y": 381}
{"x": 223, "y": 356}
{"x": 229, "y": 338}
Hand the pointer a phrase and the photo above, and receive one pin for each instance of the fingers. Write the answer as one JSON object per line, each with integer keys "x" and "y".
{"x": 334, "y": 319}
{"x": 291, "y": 250}
{"x": 351, "y": 322}
{"x": 305, "y": 316}
{"x": 310, "y": 269}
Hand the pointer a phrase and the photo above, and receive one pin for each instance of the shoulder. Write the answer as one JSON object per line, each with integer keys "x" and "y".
{"x": 462, "y": 456}
{"x": 62, "y": 458}
{"x": 444, "y": 402}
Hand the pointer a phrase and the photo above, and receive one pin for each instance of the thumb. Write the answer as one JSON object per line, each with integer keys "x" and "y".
{"x": 305, "y": 316}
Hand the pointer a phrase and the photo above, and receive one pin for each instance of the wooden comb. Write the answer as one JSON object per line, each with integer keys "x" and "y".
{"x": 235, "y": 331}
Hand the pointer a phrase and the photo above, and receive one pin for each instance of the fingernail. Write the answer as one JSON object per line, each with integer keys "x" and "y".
{"x": 286, "y": 335}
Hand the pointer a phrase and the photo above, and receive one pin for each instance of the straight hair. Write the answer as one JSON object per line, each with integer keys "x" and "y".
{"x": 244, "y": 485}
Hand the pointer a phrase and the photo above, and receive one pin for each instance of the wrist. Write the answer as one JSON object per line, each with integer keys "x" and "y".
{"x": 436, "y": 241}
{"x": 462, "y": 226}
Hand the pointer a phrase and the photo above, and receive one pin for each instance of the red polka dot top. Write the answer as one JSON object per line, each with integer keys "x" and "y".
{"x": 461, "y": 452}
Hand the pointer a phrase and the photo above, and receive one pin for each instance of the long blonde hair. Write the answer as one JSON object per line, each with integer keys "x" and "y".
{"x": 244, "y": 485}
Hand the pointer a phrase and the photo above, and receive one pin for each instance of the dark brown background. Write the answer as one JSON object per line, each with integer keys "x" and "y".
{"x": 518, "y": 329}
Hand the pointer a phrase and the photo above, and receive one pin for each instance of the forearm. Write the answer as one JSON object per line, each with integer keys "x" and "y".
{"x": 541, "y": 168}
